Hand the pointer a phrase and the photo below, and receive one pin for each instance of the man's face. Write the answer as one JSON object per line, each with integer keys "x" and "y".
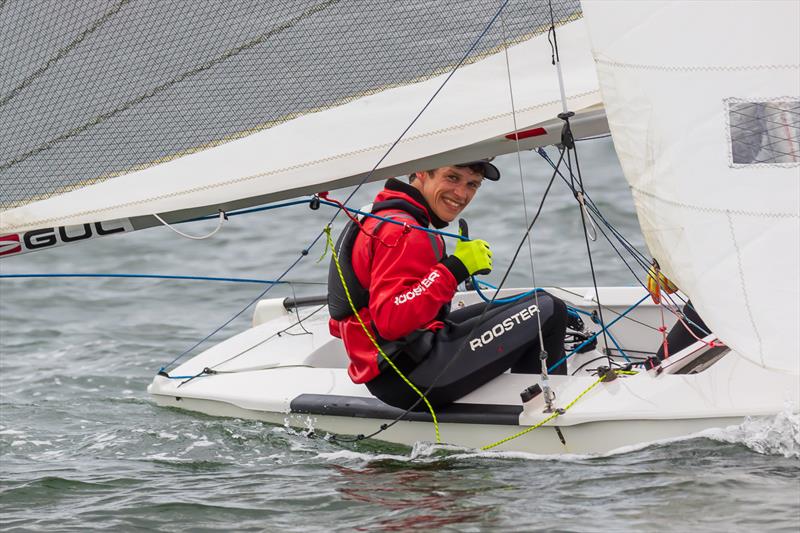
{"x": 448, "y": 190}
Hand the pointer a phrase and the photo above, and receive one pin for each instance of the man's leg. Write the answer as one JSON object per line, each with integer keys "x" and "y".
{"x": 554, "y": 328}
{"x": 468, "y": 354}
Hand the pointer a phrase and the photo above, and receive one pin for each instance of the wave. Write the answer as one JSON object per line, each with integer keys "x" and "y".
{"x": 778, "y": 435}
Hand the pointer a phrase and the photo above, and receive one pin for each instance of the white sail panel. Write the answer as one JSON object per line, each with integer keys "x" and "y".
{"x": 703, "y": 101}
{"x": 338, "y": 146}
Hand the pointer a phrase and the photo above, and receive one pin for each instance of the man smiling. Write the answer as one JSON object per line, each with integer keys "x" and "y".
{"x": 401, "y": 282}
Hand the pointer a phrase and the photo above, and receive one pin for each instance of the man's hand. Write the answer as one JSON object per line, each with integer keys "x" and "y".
{"x": 475, "y": 255}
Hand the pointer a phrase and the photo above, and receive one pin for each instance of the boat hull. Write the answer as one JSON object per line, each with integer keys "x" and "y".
{"x": 586, "y": 438}
{"x": 301, "y": 381}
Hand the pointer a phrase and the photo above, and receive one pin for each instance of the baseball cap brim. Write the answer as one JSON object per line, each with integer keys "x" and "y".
{"x": 489, "y": 171}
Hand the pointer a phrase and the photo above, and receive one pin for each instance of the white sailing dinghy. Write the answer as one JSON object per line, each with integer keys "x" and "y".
{"x": 708, "y": 140}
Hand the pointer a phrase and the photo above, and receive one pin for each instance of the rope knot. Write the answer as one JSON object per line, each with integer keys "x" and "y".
{"x": 328, "y": 242}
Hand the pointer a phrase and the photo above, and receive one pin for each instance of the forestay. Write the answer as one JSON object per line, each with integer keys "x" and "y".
{"x": 317, "y": 130}
{"x": 703, "y": 102}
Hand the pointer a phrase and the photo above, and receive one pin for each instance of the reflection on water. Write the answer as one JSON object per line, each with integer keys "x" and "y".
{"x": 415, "y": 495}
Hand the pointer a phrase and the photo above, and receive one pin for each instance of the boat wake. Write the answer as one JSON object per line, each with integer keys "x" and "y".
{"x": 778, "y": 435}
{"x": 429, "y": 452}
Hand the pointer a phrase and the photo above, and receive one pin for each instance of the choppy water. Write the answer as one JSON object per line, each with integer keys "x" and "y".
{"x": 83, "y": 447}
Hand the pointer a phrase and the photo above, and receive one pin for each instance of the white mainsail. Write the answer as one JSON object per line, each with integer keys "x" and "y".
{"x": 703, "y": 103}
{"x": 336, "y": 147}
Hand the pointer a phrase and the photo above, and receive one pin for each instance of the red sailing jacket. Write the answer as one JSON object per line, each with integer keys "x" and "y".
{"x": 408, "y": 284}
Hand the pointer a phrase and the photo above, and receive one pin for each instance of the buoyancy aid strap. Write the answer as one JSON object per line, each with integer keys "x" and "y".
{"x": 397, "y": 216}
{"x": 338, "y": 306}
{"x": 437, "y": 244}
{"x": 415, "y": 347}
{"x": 399, "y": 204}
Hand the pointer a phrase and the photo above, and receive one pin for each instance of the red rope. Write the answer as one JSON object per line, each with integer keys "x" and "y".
{"x": 663, "y": 330}
{"x": 710, "y": 344}
{"x": 680, "y": 316}
{"x": 406, "y": 228}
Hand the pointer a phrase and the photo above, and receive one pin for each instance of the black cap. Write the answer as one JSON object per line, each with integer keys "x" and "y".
{"x": 484, "y": 167}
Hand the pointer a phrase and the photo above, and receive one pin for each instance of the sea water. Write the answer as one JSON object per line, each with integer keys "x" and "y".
{"x": 83, "y": 447}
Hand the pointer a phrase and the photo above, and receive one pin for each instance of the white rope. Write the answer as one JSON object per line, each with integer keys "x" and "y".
{"x": 549, "y": 396}
{"x": 222, "y": 219}
{"x": 591, "y": 234}
{"x": 557, "y": 60}
{"x": 561, "y": 83}
{"x": 270, "y": 366}
{"x": 521, "y": 180}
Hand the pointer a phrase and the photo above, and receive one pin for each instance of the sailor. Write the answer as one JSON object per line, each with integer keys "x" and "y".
{"x": 402, "y": 280}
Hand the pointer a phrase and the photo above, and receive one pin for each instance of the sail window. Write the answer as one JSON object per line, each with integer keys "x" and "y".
{"x": 764, "y": 132}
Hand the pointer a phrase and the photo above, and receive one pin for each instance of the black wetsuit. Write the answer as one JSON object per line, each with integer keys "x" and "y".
{"x": 466, "y": 354}
{"x": 456, "y": 352}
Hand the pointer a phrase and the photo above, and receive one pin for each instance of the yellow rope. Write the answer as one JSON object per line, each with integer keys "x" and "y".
{"x": 332, "y": 247}
{"x": 546, "y": 420}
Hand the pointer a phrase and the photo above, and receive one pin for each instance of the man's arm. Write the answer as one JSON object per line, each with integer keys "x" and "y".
{"x": 408, "y": 284}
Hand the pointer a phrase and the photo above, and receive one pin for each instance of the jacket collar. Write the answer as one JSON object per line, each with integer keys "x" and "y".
{"x": 394, "y": 184}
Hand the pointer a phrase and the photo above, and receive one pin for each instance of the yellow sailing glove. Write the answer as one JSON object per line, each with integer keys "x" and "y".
{"x": 475, "y": 255}
{"x": 656, "y": 282}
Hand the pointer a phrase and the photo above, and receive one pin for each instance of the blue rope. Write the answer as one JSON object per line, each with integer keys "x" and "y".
{"x": 619, "y": 348}
{"x": 245, "y": 308}
{"x": 147, "y": 276}
{"x": 271, "y": 283}
{"x": 594, "y": 336}
{"x": 579, "y": 311}
{"x": 251, "y": 210}
{"x": 686, "y": 318}
{"x": 412, "y": 226}
{"x": 330, "y": 204}
{"x": 573, "y": 311}
{"x": 627, "y": 245}
{"x": 510, "y": 299}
